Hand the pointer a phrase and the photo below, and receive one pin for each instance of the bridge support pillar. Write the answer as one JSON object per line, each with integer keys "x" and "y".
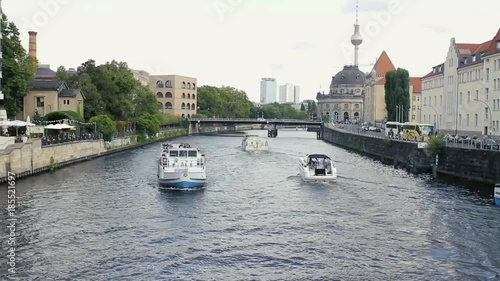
{"x": 194, "y": 128}
{"x": 272, "y": 133}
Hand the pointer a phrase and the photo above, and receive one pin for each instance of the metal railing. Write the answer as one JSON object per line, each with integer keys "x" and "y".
{"x": 67, "y": 138}
{"x": 252, "y": 119}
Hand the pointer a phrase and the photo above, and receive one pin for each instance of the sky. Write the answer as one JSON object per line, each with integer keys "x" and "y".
{"x": 238, "y": 42}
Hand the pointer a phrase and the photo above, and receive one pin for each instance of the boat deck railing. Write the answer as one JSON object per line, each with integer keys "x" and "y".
{"x": 199, "y": 162}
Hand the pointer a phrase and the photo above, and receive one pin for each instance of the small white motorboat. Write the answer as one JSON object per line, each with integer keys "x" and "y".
{"x": 254, "y": 143}
{"x": 497, "y": 194}
{"x": 317, "y": 167}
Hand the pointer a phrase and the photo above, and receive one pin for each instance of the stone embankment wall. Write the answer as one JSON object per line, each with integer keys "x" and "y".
{"x": 470, "y": 164}
{"x": 30, "y": 157}
{"x": 24, "y": 159}
{"x": 402, "y": 154}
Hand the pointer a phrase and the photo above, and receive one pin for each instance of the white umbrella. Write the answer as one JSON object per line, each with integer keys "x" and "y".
{"x": 28, "y": 122}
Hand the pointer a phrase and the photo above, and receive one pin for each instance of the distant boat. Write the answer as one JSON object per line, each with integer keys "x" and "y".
{"x": 254, "y": 143}
{"x": 317, "y": 167}
{"x": 497, "y": 194}
{"x": 181, "y": 167}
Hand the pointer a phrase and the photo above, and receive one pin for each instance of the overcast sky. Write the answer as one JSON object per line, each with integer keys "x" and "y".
{"x": 238, "y": 42}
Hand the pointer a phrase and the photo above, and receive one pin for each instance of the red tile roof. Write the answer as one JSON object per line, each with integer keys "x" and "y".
{"x": 492, "y": 48}
{"x": 383, "y": 64}
{"x": 416, "y": 82}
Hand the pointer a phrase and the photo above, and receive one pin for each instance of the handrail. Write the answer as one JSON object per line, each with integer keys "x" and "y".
{"x": 252, "y": 119}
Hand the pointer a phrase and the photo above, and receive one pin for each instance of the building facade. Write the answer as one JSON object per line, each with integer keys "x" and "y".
{"x": 296, "y": 94}
{"x": 268, "y": 90}
{"x": 287, "y": 93}
{"x": 415, "y": 99}
{"x": 177, "y": 94}
{"x": 374, "y": 100}
{"x": 460, "y": 95}
{"x": 141, "y": 76}
{"x": 49, "y": 96}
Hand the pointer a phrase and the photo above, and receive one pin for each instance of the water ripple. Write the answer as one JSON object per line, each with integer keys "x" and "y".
{"x": 256, "y": 220}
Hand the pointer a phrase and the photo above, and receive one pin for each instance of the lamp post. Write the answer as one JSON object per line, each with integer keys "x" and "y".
{"x": 437, "y": 115}
{"x": 489, "y": 109}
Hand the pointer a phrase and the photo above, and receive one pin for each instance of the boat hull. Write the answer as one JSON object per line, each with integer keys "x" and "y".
{"x": 181, "y": 184}
{"x": 309, "y": 175}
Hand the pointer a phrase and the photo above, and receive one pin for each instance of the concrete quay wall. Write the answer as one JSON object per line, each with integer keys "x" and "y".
{"x": 401, "y": 154}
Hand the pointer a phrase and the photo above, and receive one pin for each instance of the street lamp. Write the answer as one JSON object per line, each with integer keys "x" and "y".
{"x": 489, "y": 109}
{"x": 437, "y": 116}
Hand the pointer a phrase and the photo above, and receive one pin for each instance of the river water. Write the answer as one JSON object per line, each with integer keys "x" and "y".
{"x": 106, "y": 220}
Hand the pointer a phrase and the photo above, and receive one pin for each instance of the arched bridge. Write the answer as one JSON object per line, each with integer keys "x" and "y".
{"x": 270, "y": 124}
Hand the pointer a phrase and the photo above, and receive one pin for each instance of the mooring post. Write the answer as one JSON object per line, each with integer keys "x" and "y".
{"x": 434, "y": 167}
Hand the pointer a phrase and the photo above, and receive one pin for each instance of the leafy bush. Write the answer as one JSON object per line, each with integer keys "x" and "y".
{"x": 105, "y": 125}
{"x": 436, "y": 145}
{"x": 168, "y": 119}
{"x": 58, "y": 115}
{"x": 148, "y": 125}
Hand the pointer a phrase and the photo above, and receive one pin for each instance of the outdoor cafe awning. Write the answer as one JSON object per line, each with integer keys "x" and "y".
{"x": 58, "y": 127}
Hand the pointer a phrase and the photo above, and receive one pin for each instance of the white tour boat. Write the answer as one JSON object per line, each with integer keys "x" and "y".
{"x": 254, "y": 143}
{"x": 317, "y": 167}
{"x": 497, "y": 194}
{"x": 181, "y": 166}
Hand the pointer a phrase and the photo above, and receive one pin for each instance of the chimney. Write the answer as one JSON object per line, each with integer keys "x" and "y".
{"x": 32, "y": 44}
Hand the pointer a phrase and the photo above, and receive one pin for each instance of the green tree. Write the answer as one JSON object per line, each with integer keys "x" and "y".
{"x": 397, "y": 94}
{"x": 93, "y": 104}
{"x": 148, "y": 124}
{"x": 18, "y": 68}
{"x": 302, "y": 107}
{"x": 105, "y": 125}
{"x": 145, "y": 101}
{"x": 223, "y": 102}
{"x": 312, "y": 109}
{"x": 62, "y": 73}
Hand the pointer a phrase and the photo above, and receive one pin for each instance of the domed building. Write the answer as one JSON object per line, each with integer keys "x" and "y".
{"x": 344, "y": 102}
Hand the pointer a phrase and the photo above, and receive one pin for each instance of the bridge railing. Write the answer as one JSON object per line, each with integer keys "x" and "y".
{"x": 251, "y": 119}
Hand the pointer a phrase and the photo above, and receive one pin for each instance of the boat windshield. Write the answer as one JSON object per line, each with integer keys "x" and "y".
{"x": 174, "y": 153}
{"x": 192, "y": 153}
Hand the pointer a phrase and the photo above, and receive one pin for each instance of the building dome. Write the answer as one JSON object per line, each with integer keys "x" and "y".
{"x": 349, "y": 76}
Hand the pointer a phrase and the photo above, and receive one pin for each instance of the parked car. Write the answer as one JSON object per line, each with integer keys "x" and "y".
{"x": 374, "y": 129}
{"x": 487, "y": 143}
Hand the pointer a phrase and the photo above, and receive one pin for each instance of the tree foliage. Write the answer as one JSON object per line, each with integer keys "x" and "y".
{"x": 59, "y": 115}
{"x": 312, "y": 109}
{"x": 111, "y": 89}
{"x": 168, "y": 119}
{"x": 105, "y": 125}
{"x": 397, "y": 94}
{"x": 436, "y": 145}
{"x": 18, "y": 68}
{"x": 62, "y": 73}
{"x": 225, "y": 101}
{"x": 278, "y": 111}
{"x": 148, "y": 124}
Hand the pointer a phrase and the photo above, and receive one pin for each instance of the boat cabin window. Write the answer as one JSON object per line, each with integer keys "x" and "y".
{"x": 192, "y": 153}
{"x": 174, "y": 153}
{"x": 182, "y": 153}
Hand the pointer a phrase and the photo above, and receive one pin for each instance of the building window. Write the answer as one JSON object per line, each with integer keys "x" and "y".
{"x": 487, "y": 74}
{"x": 498, "y": 45}
{"x": 441, "y": 100}
{"x": 413, "y": 117}
{"x": 168, "y": 95}
{"x": 460, "y": 120}
{"x": 477, "y": 94}
{"x": 468, "y": 120}
{"x": 486, "y": 113}
{"x": 476, "y": 119}
{"x": 39, "y": 102}
{"x": 168, "y": 84}
{"x": 159, "y": 95}
{"x": 184, "y": 85}
{"x": 460, "y": 97}
{"x": 468, "y": 96}
{"x": 159, "y": 84}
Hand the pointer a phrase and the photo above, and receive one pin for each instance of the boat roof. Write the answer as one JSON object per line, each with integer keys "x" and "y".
{"x": 317, "y": 156}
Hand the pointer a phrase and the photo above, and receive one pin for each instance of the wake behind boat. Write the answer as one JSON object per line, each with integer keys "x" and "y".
{"x": 181, "y": 166}
{"x": 254, "y": 143}
{"x": 317, "y": 167}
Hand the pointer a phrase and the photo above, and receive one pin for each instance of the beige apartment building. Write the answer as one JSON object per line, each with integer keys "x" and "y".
{"x": 177, "y": 94}
{"x": 462, "y": 95}
{"x": 375, "y": 107}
